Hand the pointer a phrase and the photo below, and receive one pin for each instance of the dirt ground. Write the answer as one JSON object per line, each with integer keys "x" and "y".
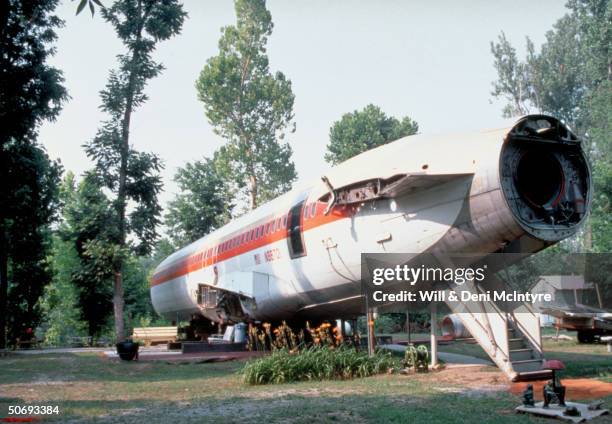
{"x": 575, "y": 388}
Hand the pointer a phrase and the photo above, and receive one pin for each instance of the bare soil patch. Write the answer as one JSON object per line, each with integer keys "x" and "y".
{"x": 575, "y": 388}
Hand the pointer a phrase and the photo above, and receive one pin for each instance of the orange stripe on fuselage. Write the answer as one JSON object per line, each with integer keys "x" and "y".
{"x": 199, "y": 260}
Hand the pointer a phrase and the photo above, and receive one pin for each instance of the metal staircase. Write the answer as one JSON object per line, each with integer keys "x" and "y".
{"x": 512, "y": 339}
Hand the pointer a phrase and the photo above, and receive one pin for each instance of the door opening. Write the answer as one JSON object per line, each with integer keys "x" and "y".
{"x": 296, "y": 239}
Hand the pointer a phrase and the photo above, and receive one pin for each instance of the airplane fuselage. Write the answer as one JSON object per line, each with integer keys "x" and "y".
{"x": 300, "y": 254}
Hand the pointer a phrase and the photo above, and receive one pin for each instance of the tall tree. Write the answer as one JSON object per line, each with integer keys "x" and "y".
{"x": 249, "y": 106}
{"x": 202, "y": 204}
{"x": 131, "y": 175}
{"x": 363, "y": 130}
{"x": 60, "y": 302}
{"x": 31, "y": 92}
{"x": 570, "y": 77}
{"x": 89, "y": 225}
{"x": 32, "y": 209}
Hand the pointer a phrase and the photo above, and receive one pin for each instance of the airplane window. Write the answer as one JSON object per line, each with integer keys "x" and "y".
{"x": 313, "y": 210}
{"x": 278, "y": 224}
{"x": 267, "y": 228}
{"x": 261, "y": 230}
{"x": 285, "y": 221}
{"x": 305, "y": 212}
{"x": 273, "y": 227}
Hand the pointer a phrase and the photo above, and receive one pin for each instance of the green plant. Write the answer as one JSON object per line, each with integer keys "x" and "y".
{"x": 315, "y": 363}
{"x": 416, "y": 357}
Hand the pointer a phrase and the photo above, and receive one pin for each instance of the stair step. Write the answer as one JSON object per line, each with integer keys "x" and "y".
{"x": 533, "y": 375}
{"x": 521, "y": 354}
{"x": 516, "y": 343}
{"x": 527, "y": 365}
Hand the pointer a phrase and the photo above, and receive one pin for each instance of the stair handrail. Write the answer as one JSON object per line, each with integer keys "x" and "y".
{"x": 492, "y": 339}
{"x": 537, "y": 345}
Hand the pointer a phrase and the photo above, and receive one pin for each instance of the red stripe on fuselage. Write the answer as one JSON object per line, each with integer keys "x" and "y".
{"x": 200, "y": 259}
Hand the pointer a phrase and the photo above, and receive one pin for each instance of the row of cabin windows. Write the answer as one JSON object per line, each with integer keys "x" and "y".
{"x": 310, "y": 211}
{"x": 248, "y": 236}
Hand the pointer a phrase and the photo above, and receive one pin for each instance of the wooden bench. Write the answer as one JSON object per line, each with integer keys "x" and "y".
{"x": 32, "y": 343}
{"x": 154, "y": 335}
{"x": 78, "y": 341}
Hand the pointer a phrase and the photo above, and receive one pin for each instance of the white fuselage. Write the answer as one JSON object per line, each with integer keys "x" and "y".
{"x": 452, "y": 201}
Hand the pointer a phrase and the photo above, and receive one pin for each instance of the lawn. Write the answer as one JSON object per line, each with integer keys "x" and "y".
{"x": 90, "y": 388}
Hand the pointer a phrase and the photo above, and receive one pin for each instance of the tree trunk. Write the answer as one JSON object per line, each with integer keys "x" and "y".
{"x": 118, "y": 299}
{"x": 253, "y": 190}
{"x": 118, "y": 307}
{"x": 588, "y": 236}
{"x": 3, "y": 287}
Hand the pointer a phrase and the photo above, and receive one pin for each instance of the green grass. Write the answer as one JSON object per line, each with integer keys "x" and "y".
{"x": 89, "y": 388}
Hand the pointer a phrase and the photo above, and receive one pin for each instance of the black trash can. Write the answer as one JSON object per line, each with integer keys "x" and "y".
{"x": 128, "y": 350}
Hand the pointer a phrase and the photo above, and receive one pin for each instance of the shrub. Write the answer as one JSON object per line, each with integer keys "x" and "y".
{"x": 416, "y": 357}
{"x": 315, "y": 363}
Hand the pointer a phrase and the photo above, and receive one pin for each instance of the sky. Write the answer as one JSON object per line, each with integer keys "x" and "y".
{"x": 429, "y": 60}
